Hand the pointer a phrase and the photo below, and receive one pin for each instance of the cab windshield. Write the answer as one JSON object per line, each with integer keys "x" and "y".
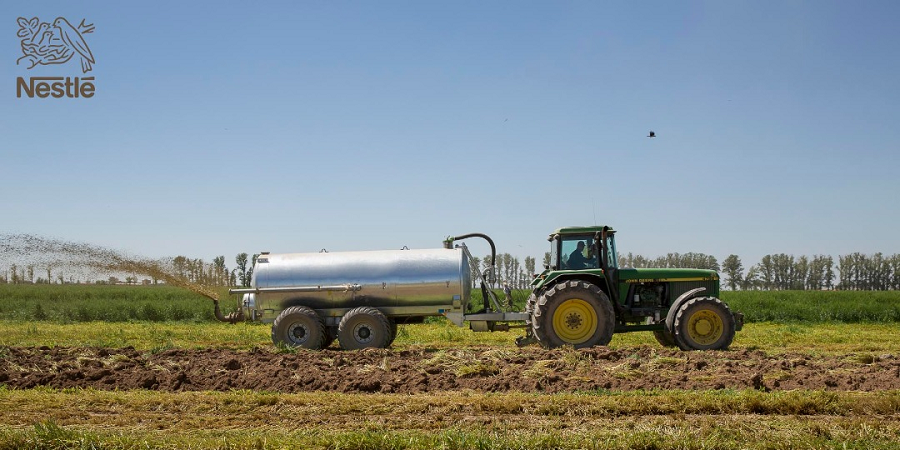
{"x": 578, "y": 252}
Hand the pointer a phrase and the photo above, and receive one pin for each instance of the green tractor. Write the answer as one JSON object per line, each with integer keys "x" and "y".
{"x": 583, "y": 297}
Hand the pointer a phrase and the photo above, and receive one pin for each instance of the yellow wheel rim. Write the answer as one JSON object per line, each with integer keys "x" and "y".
{"x": 575, "y": 321}
{"x": 705, "y": 327}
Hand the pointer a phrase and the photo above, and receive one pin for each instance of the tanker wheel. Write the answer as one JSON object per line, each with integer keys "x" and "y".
{"x": 664, "y": 338}
{"x": 364, "y": 327}
{"x": 299, "y": 326}
{"x": 573, "y": 313}
{"x": 703, "y": 323}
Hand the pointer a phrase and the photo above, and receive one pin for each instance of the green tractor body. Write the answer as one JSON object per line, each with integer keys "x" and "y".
{"x": 583, "y": 297}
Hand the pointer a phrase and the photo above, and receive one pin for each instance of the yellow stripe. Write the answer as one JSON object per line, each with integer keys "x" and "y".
{"x": 663, "y": 280}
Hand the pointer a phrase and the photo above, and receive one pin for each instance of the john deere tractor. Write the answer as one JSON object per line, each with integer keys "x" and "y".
{"x": 583, "y": 297}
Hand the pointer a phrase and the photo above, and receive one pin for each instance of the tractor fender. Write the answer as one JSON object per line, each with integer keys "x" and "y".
{"x": 676, "y": 305}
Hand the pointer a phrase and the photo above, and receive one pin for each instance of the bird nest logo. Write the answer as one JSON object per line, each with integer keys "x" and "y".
{"x": 45, "y": 44}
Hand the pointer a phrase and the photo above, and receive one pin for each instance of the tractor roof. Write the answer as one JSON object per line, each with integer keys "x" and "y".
{"x": 583, "y": 230}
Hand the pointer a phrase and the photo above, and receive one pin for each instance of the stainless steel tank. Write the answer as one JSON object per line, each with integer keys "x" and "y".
{"x": 400, "y": 283}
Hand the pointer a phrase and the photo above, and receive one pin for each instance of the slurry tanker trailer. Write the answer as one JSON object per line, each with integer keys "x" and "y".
{"x": 580, "y": 299}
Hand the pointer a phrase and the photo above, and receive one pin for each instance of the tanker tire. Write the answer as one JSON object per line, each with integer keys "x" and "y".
{"x": 299, "y": 326}
{"x": 364, "y": 327}
{"x": 665, "y": 338}
{"x": 580, "y": 309}
{"x": 703, "y": 323}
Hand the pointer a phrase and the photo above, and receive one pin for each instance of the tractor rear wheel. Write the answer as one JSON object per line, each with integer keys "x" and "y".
{"x": 364, "y": 327}
{"x": 703, "y": 323}
{"x": 299, "y": 326}
{"x": 573, "y": 313}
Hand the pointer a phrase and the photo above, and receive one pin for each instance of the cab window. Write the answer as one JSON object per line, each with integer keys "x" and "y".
{"x": 578, "y": 252}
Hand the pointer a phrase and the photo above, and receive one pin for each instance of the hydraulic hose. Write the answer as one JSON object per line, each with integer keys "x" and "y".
{"x": 448, "y": 243}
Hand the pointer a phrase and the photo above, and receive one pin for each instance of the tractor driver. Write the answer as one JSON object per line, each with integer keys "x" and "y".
{"x": 577, "y": 259}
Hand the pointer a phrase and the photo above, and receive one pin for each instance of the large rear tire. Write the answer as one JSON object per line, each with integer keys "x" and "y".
{"x": 364, "y": 327}
{"x": 703, "y": 323}
{"x": 575, "y": 313}
{"x": 299, "y": 326}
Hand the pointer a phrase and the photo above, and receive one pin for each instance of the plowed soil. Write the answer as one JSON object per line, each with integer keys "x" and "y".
{"x": 411, "y": 371}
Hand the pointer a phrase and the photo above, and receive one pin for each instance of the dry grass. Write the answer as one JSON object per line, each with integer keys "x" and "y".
{"x": 659, "y": 419}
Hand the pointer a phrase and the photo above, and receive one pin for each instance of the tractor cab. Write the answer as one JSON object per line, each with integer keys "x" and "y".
{"x": 581, "y": 248}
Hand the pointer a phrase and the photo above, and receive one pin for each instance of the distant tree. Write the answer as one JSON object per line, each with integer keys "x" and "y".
{"x": 241, "y": 261}
{"x": 800, "y": 275}
{"x": 828, "y": 264}
{"x": 220, "y": 272}
{"x": 734, "y": 270}
{"x": 474, "y": 269}
{"x": 179, "y": 266}
{"x": 766, "y": 273}
{"x": 895, "y": 270}
{"x": 30, "y": 278}
{"x": 751, "y": 281}
{"x": 783, "y": 268}
{"x": 529, "y": 266}
{"x": 546, "y": 259}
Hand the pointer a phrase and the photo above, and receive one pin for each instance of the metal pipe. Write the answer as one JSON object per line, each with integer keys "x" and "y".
{"x": 232, "y": 318}
{"x": 338, "y": 288}
{"x": 448, "y": 243}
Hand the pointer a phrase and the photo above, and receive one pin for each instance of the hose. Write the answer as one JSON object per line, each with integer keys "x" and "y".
{"x": 450, "y": 240}
{"x": 232, "y": 318}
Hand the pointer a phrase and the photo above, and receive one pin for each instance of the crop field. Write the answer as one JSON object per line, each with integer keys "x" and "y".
{"x": 809, "y": 370}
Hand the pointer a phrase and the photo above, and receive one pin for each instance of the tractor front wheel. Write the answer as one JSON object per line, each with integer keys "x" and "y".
{"x": 575, "y": 313}
{"x": 703, "y": 323}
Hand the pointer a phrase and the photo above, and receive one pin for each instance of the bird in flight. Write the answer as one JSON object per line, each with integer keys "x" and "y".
{"x": 651, "y": 135}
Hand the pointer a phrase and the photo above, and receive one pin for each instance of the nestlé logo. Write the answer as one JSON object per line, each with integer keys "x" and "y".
{"x": 57, "y": 43}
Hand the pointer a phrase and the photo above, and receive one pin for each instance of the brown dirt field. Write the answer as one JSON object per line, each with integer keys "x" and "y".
{"x": 424, "y": 370}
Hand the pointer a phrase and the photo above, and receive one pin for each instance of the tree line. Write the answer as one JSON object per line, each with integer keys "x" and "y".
{"x": 855, "y": 271}
{"x": 194, "y": 270}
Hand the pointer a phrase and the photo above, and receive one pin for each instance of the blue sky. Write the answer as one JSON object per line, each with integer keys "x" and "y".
{"x": 222, "y": 127}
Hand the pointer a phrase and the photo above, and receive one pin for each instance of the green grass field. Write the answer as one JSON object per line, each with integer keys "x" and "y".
{"x": 153, "y": 336}
{"x": 87, "y": 303}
